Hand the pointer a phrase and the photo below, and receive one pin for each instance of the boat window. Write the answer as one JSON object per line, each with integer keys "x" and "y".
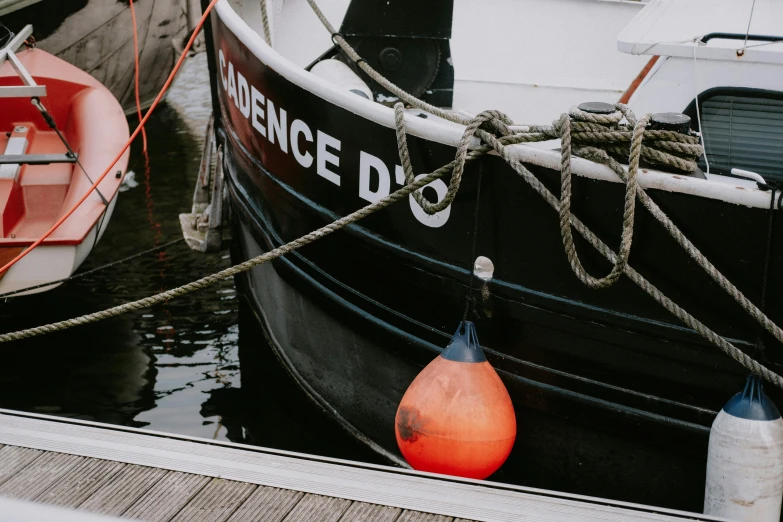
{"x": 743, "y": 129}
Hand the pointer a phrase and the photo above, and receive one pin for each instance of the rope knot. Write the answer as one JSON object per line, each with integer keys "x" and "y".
{"x": 489, "y": 123}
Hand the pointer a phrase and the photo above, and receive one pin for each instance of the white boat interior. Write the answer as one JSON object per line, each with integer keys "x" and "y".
{"x": 531, "y": 58}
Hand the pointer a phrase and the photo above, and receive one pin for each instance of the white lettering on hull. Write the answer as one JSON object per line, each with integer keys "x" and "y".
{"x": 271, "y": 122}
{"x": 298, "y": 127}
{"x": 325, "y": 157}
{"x": 243, "y": 103}
{"x": 367, "y": 165}
{"x": 257, "y": 103}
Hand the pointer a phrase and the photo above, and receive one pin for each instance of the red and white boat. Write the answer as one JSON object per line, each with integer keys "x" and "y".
{"x": 59, "y": 130}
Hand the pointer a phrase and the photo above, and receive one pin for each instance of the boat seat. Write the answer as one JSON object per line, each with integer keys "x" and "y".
{"x": 17, "y": 143}
{"x": 11, "y": 197}
{"x": 32, "y": 192}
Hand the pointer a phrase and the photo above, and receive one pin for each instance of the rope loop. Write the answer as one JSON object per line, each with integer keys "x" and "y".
{"x": 494, "y": 122}
{"x": 594, "y": 137}
{"x": 599, "y": 123}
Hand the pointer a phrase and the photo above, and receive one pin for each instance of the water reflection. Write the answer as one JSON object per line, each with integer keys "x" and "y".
{"x": 173, "y": 367}
{"x": 140, "y": 369}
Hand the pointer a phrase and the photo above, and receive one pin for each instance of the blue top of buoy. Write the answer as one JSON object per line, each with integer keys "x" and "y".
{"x": 464, "y": 345}
{"x": 752, "y": 403}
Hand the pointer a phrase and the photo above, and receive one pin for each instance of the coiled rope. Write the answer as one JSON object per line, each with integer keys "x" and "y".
{"x": 500, "y": 146}
{"x": 595, "y": 137}
{"x": 588, "y": 133}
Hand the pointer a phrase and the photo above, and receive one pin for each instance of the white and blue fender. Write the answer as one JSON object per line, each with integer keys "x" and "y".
{"x": 745, "y": 458}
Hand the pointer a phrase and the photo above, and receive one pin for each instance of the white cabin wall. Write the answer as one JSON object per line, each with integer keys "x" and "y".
{"x": 676, "y": 83}
{"x": 530, "y": 58}
{"x": 533, "y": 59}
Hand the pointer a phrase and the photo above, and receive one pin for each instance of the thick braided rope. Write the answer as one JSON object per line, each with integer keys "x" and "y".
{"x": 409, "y": 99}
{"x": 460, "y": 158}
{"x": 499, "y": 145}
{"x": 626, "y": 237}
{"x": 265, "y": 21}
{"x": 600, "y": 156}
{"x": 231, "y": 271}
{"x": 729, "y": 349}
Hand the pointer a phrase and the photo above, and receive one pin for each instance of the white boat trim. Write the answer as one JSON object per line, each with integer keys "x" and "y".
{"x": 9, "y": 6}
{"x": 448, "y": 133}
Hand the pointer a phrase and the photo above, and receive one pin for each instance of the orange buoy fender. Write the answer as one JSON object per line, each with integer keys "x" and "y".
{"x": 456, "y": 417}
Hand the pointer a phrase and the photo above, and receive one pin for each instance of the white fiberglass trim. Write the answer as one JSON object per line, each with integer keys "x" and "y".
{"x": 449, "y": 133}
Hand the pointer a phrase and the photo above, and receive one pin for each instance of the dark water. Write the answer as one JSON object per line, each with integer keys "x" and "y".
{"x": 174, "y": 367}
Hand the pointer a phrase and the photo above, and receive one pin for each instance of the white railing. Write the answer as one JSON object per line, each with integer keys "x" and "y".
{"x": 30, "y": 89}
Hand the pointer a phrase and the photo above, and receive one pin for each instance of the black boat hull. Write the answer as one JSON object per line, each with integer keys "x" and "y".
{"x": 356, "y": 368}
{"x": 613, "y": 398}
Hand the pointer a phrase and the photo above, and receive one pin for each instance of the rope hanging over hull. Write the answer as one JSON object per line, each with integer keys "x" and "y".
{"x": 595, "y": 137}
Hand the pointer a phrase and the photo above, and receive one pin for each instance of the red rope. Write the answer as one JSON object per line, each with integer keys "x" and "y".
{"x": 136, "y": 60}
{"x": 130, "y": 140}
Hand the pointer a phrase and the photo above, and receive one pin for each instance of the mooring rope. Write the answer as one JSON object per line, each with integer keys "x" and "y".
{"x": 595, "y": 137}
{"x": 688, "y": 319}
{"x": 236, "y": 269}
{"x": 631, "y": 186}
{"x": 79, "y": 275}
{"x": 592, "y": 128}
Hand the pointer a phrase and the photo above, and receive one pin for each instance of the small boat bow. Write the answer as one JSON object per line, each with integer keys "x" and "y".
{"x": 52, "y": 149}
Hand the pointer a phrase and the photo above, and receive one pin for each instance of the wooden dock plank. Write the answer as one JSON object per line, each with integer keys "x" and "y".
{"x": 39, "y": 475}
{"x": 13, "y": 459}
{"x": 114, "y": 497}
{"x": 267, "y": 504}
{"x": 317, "y": 507}
{"x": 364, "y": 512}
{"x": 216, "y": 502}
{"x": 417, "y": 516}
{"x": 79, "y": 483}
{"x": 167, "y": 497}
{"x": 329, "y": 487}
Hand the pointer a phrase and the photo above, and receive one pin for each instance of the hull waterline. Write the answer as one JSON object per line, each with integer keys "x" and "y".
{"x": 613, "y": 397}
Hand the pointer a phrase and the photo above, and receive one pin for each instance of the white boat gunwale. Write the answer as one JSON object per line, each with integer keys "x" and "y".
{"x": 721, "y": 188}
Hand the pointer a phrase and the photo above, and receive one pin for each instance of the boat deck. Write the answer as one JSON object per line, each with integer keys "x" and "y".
{"x": 131, "y": 473}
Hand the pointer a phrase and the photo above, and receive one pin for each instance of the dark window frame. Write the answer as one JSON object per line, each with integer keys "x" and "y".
{"x": 746, "y": 92}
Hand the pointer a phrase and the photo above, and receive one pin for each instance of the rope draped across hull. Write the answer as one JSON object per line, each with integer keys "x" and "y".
{"x": 605, "y": 382}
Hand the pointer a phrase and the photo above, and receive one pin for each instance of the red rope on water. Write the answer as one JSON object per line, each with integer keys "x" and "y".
{"x": 154, "y": 225}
